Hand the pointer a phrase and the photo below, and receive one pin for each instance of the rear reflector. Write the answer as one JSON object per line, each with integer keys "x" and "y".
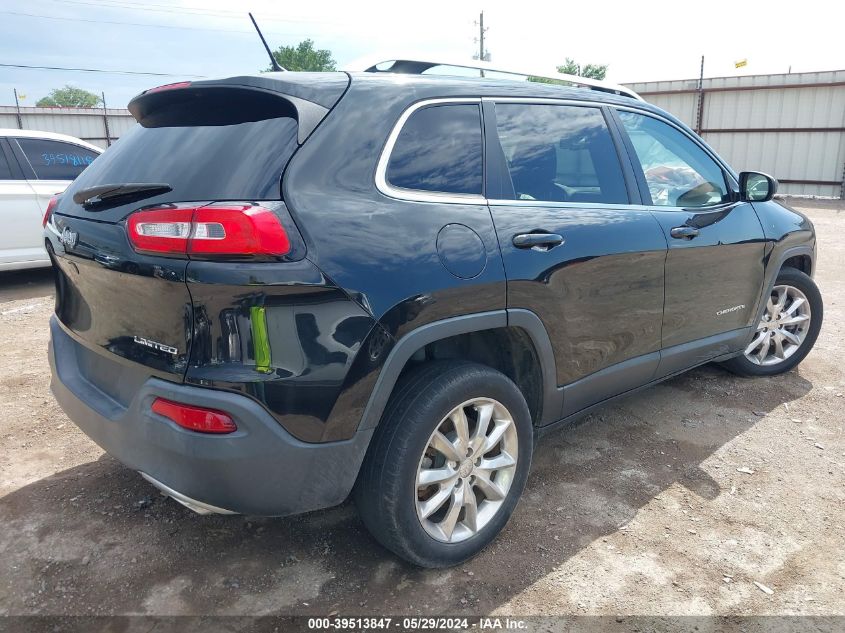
{"x": 50, "y": 206}
{"x": 195, "y": 418}
{"x": 222, "y": 229}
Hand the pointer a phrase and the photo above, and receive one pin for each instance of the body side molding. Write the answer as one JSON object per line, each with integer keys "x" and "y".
{"x": 776, "y": 261}
{"x": 453, "y": 326}
{"x": 552, "y": 394}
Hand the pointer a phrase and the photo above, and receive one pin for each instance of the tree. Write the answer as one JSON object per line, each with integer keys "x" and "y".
{"x": 304, "y": 57}
{"x": 594, "y": 71}
{"x": 70, "y": 97}
{"x": 571, "y": 67}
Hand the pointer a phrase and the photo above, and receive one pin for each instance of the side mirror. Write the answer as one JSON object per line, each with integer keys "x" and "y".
{"x": 756, "y": 187}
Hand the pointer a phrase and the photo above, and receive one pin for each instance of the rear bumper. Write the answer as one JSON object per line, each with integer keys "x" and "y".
{"x": 260, "y": 469}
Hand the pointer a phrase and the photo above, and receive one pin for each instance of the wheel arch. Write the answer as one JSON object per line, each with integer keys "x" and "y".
{"x": 803, "y": 255}
{"x": 549, "y": 397}
{"x": 802, "y": 261}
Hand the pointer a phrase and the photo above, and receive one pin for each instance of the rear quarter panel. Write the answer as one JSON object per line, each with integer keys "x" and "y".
{"x": 380, "y": 250}
{"x": 282, "y": 334}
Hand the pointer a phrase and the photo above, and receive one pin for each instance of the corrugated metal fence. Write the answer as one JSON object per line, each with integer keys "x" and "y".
{"x": 95, "y": 125}
{"x": 791, "y": 126}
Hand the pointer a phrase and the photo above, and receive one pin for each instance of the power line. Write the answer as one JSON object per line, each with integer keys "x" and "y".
{"x": 99, "y": 70}
{"x": 122, "y": 5}
{"x": 146, "y": 6}
{"x": 195, "y": 11}
{"x": 160, "y": 26}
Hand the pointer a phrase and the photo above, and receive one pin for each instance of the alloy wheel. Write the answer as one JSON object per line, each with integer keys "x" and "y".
{"x": 782, "y": 329}
{"x": 466, "y": 470}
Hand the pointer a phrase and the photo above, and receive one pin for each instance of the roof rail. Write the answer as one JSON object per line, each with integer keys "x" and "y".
{"x": 416, "y": 65}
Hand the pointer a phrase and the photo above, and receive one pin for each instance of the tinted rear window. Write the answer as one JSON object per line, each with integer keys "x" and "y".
{"x": 201, "y": 162}
{"x": 439, "y": 149}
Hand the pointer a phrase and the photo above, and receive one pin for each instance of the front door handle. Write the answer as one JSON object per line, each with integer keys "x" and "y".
{"x": 684, "y": 232}
{"x": 543, "y": 241}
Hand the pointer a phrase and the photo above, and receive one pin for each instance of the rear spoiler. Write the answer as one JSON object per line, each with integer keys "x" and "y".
{"x": 308, "y": 97}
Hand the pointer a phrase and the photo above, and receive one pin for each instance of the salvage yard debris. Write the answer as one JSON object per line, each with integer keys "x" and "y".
{"x": 764, "y": 588}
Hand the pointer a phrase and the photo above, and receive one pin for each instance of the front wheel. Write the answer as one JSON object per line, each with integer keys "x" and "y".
{"x": 447, "y": 464}
{"x": 787, "y": 330}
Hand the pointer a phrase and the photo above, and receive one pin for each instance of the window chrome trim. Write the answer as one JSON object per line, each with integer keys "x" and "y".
{"x": 568, "y": 205}
{"x": 722, "y": 206}
{"x": 417, "y": 195}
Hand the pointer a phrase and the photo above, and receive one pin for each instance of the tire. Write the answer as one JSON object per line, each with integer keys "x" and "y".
{"x": 387, "y": 495}
{"x": 798, "y": 286}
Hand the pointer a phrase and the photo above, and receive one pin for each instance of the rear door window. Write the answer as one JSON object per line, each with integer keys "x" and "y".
{"x": 439, "y": 150}
{"x": 56, "y": 160}
{"x": 5, "y": 168}
{"x": 560, "y": 153}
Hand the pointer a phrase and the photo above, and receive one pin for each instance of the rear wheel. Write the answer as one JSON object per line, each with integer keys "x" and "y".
{"x": 447, "y": 464}
{"x": 787, "y": 330}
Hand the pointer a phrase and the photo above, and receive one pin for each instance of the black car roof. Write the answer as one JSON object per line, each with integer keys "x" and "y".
{"x": 326, "y": 87}
{"x": 309, "y": 85}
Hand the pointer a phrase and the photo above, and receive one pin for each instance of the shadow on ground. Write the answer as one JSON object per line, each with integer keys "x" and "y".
{"x": 97, "y": 539}
{"x": 25, "y": 284}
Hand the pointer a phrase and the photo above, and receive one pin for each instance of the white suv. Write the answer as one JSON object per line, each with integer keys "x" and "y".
{"x": 34, "y": 166}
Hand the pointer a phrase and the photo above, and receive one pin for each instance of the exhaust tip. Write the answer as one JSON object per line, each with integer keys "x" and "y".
{"x": 192, "y": 504}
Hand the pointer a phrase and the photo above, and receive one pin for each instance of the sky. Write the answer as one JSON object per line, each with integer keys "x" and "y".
{"x": 187, "y": 39}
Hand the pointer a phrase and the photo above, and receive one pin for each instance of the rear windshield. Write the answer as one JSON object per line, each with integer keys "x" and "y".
{"x": 240, "y": 161}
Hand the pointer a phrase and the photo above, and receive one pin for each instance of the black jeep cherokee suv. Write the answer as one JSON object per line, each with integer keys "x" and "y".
{"x": 278, "y": 290}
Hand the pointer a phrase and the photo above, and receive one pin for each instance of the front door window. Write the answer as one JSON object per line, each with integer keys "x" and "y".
{"x": 677, "y": 171}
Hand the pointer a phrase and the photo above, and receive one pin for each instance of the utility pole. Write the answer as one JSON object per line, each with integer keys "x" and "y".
{"x": 700, "y": 114}
{"x": 482, "y": 54}
{"x": 106, "y": 121}
{"x": 18, "y": 110}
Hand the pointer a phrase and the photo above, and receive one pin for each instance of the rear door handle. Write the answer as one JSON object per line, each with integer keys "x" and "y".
{"x": 684, "y": 232}
{"x": 534, "y": 240}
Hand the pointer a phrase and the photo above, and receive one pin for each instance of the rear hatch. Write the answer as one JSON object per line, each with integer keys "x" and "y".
{"x": 198, "y": 178}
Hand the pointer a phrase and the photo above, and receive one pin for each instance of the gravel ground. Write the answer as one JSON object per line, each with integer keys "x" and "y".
{"x": 640, "y": 509}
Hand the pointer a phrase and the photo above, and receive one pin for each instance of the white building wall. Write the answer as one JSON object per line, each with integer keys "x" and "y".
{"x": 85, "y": 123}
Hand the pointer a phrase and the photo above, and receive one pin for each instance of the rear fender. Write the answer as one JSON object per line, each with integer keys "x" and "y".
{"x": 415, "y": 340}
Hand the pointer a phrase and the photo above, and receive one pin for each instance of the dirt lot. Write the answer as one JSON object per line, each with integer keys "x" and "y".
{"x": 640, "y": 509}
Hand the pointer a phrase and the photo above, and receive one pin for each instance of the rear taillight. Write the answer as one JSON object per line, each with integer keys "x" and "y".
{"x": 223, "y": 229}
{"x": 195, "y": 418}
{"x": 164, "y": 231}
{"x": 50, "y": 206}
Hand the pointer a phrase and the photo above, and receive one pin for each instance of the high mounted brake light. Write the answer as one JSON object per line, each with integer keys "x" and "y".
{"x": 215, "y": 230}
{"x": 175, "y": 86}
